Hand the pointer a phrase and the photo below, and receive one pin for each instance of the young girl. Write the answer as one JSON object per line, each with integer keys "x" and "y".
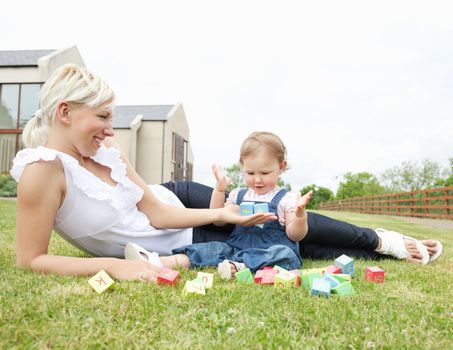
{"x": 263, "y": 160}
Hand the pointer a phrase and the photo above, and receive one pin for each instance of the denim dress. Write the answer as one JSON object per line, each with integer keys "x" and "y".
{"x": 254, "y": 246}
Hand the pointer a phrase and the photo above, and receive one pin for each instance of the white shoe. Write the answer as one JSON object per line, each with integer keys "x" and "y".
{"x": 133, "y": 251}
{"x": 392, "y": 243}
{"x": 224, "y": 268}
{"x": 439, "y": 249}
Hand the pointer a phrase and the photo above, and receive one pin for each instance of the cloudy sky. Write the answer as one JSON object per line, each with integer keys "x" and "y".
{"x": 348, "y": 85}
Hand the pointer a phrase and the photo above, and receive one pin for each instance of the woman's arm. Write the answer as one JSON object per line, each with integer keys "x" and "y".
{"x": 162, "y": 215}
{"x": 40, "y": 193}
{"x": 296, "y": 223}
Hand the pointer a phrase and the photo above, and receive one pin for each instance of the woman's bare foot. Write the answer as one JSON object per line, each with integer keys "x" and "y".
{"x": 415, "y": 255}
{"x": 431, "y": 246}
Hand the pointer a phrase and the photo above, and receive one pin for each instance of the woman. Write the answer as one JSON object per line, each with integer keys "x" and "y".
{"x": 82, "y": 186}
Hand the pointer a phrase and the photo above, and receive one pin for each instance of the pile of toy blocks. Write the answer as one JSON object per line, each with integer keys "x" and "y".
{"x": 200, "y": 284}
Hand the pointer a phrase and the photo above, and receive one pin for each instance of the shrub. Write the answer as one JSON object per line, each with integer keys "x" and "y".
{"x": 8, "y": 186}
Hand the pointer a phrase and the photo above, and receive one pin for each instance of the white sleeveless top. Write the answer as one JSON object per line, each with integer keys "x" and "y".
{"x": 99, "y": 218}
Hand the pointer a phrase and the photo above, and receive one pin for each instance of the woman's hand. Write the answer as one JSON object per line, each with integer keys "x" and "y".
{"x": 129, "y": 270}
{"x": 230, "y": 214}
{"x": 301, "y": 203}
{"x": 222, "y": 181}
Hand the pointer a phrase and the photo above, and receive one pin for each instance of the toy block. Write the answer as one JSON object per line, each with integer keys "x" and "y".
{"x": 346, "y": 264}
{"x": 100, "y": 281}
{"x": 308, "y": 277}
{"x": 268, "y": 276}
{"x": 374, "y": 274}
{"x": 320, "y": 287}
{"x": 267, "y": 268}
{"x": 341, "y": 277}
{"x": 206, "y": 278}
{"x": 279, "y": 269}
{"x": 260, "y": 208}
{"x": 333, "y": 269}
{"x": 297, "y": 273}
{"x": 246, "y": 208}
{"x": 321, "y": 270}
{"x": 329, "y": 278}
{"x": 285, "y": 279}
{"x": 168, "y": 276}
{"x": 344, "y": 288}
{"x": 259, "y": 275}
{"x": 244, "y": 276}
{"x": 194, "y": 287}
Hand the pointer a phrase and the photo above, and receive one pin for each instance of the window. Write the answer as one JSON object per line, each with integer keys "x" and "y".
{"x": 9, "y": 106}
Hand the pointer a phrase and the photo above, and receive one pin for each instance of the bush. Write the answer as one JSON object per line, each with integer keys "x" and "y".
{"x": 8, "y": 186}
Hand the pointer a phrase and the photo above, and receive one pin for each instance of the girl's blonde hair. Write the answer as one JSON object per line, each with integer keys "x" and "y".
{"x": 268, "y": 140}
{"x": 73, "y": 84}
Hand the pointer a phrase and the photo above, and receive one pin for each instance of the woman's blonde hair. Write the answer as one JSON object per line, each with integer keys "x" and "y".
{"x": 268, "y": 140}
{"x": 73, "y": 84}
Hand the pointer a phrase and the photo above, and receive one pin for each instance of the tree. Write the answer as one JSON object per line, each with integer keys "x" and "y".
{"x": 359, "y": 185}
{"x": 320, "y": 195}
{"x": 448, "y": 181}
{"x": 410, "y": 176}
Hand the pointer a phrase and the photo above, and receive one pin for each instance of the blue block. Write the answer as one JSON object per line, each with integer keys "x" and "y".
{"x": 346, "y": 264}
{"x": 332, "y": 280}
{"x": 320, "y": 287}
{"x": 261, "y": 208}
{"x": 246, "y": 208}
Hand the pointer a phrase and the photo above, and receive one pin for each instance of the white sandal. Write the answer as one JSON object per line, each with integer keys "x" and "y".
{"x": 133, "y": 251}
{"x": 439, "y": 248}
{"x": 224, "y": 268}
{"x": 392, "y": 243}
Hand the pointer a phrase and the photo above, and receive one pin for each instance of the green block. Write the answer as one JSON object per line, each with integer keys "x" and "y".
{"x": 341, "y": 277}
{"x": 344, "y": 288}
{"x": 245, "y": 276}
{"x": 308, "y": 277}
{"x": 279, "y": 269}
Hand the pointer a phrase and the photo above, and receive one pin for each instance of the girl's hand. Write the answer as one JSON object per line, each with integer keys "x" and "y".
{"x": 222, "y": 181}
{"x": 231, "y": 215}
{"x": 129, "y": 270}
{"x": 301, "y": 203}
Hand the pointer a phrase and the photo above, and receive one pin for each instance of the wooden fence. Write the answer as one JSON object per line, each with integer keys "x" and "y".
{"x": 430, "y": 203}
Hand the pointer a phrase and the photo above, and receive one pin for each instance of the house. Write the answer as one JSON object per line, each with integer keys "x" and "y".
{"x": 155, "y": 137}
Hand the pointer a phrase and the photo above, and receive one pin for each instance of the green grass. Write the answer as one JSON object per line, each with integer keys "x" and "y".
{"x": 413, "y": 309}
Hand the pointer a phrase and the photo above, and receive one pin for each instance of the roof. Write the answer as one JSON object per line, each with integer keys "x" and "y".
{"x": 22, "y": 58}
{"x": 123, "y": 115}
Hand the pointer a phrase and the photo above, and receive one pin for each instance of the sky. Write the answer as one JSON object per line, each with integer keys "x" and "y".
{"x": 349, "y": 86}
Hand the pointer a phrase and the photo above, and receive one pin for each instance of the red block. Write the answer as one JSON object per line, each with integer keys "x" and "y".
{"x": 374, "y": 274}
{"x": 259, "y": 275}
{"x": 297, "y": 273}
{"x": 268, "y": 276}
{"x": 168, "y": 276}
{"x": 268, "y": 268}
{"x": 333, "y": 269}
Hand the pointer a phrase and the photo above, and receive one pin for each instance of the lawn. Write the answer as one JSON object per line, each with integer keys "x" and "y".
{"x": 413, "y": 309}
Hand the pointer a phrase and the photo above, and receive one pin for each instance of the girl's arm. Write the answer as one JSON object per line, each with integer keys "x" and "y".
{"x": 40, "y": 193}
{"x": 162, "y": 215}
{"x": 296, "y": 223}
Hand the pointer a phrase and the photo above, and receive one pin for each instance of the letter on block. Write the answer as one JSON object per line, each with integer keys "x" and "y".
{"x": 246, "y": 208}
{"x": 308, "y": 276}
{"x": 374, "y": 274}
{"x": 332, "y": 280}
{"x": 194, "y": 287}
{"x": 244, "y": 276}
{"x": 206, "y": 278}
{"x": 285, "y": 279}
{"x": 260, "y": 208}
{"x": 168, "y": 276}
{"x": 333, "y": 269}
{"x": 346, "y": 264}
{"x": 100, "y": 281}
{"x": 268, "y": 276}
{"x": 320, "y": 287}
{"x": 344, "y": 288}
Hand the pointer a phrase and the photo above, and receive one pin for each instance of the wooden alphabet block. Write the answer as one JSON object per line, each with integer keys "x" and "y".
{"x": 308, "y": 277}
{"x": 100, "y": 281}
{"x": 246, "y": 208}
{"x": 194, "y": 287}
{"x": 346, "y": 264}
{"x": 342, "y": 277}
{"x": 332, "y": 280}
{"x": 280, "y": 269}
{"x": 258, "y": 276}
{"x": 207, "y": 279}
{"x": 260, "y": 208}
{"x": 244, "y": 276}
{"x": 285, "y": 279}
{"x": 344, "y": 288}
{"x": 268, "y": 276}
{"x": 168, "y": 276}
{"x": 374, "y": 274}
{"x": 333, "y": 269}
{"x": 320, "y": 287}
{"x": 297, "y": 273}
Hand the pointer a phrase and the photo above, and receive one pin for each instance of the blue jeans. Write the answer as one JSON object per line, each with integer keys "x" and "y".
{"x": 213, "y": 253}
{"x": 327, "y": 238}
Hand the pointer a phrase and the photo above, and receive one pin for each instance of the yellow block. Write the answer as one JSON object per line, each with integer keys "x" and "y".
{"x": 194, "y": 287}
{"x": 100, "y": 281}
{"x": 207, "y": 278}
{"x": 285, "y": 279}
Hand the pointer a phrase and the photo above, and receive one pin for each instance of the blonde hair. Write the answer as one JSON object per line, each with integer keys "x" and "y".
{"x": 271, "y": 142}
{"x": 73, "y": 84}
